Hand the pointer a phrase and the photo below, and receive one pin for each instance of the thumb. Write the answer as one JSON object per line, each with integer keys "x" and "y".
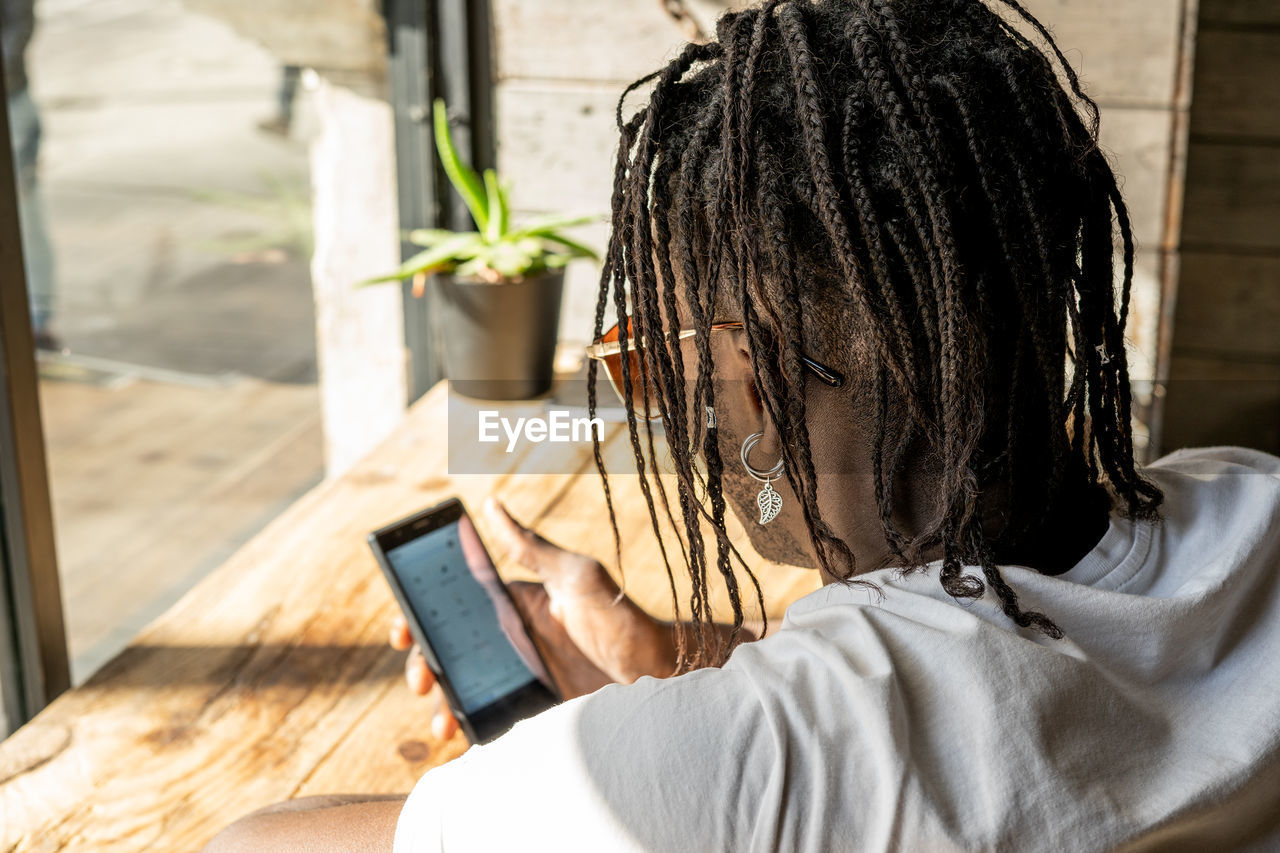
{"x": 526, "y": 547}
{"x": 563, "y": 572}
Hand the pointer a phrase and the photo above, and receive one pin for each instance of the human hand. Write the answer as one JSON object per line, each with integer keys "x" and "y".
{"x": 588, "y": 632}
{"x": 420, "y": 678}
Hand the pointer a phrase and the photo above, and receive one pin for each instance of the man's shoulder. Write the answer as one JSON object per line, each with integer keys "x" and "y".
{"x": 1217, "y": 501}
{"x": 1223, "y": 459}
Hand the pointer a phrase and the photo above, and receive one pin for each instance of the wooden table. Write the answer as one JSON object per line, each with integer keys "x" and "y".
{"x": 272, "y": 678}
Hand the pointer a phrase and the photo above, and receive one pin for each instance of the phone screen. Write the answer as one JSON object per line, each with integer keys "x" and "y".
{"x": 469, "y": 620}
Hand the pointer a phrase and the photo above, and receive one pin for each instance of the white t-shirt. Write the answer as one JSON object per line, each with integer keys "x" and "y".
{"x": 916, "y": 723}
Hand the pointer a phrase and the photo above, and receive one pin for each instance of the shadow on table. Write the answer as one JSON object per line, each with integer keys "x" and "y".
{"x": 254, "y": 666}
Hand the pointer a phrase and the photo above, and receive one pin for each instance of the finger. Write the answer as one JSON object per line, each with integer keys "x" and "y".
{"x": 417, "y": 674}
{"x": 398, "y": 636}
{"x": 527, "y": 548}
{"x": 564, "y": 572}
{"x": 567, "y": 574}
{"x": 443, "y": 724}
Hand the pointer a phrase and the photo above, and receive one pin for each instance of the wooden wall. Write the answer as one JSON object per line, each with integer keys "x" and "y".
{"x": 1225, "y": 372}
{"x": 559, "y": 70}
{"x": 559, "y": 73}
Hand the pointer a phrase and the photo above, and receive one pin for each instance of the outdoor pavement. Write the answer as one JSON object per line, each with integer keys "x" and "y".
{"x": 184, "y": 414}
{"x": 181, "y": 231}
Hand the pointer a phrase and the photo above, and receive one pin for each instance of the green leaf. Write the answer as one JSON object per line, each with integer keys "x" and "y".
{"x": 497, "y": 207}
{"x": 396, "y": 276}
{"x": 553, "y": 223}
{"x": 429, "y": 236}
{"x": 510, "y": 259}
{"x": 576, "y": 249}
{"x": 470, "y": 269}
{"x": 445, "y": 255}
{"x": 463, "y": 177}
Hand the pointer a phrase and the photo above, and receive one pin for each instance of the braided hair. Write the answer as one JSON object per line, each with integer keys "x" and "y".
{"x": 906, "y": 188}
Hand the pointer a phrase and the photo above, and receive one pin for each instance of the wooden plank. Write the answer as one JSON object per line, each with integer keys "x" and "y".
{"x": 395, "y": 737}
{"x": 1141, "y": 143}
{"x": 1213, "y": 401}
{"x": 139, "y": 582}
{"x": 195, "y": 724}
{"x": 557, "y": 141}
{"x": 133, "y": 465}
{"x": 1232, "y": 197}
{"x": 199, "y": 751}
{"x": 269, "y": 654}
{"x": 1142, "y": 331}
{"x": 1126, "y": 52}
{"x": 231, "y": 698}
{"x": 1237, "y": 12}
{"x": 571, "y": 45}
{"x": 1142, "y": 335}
{"x": 1235, "y": 93}
{"x": 1229, "y": 305}
{"x": 272, "y": 678}
{"x": 154, "y": 447}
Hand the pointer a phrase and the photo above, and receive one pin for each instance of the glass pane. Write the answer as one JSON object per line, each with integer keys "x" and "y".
{"x": 165, "y": 198}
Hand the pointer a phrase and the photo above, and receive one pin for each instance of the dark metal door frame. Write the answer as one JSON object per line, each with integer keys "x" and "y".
{"x": 437, "y": 48}
{"x": 33, "y": 645}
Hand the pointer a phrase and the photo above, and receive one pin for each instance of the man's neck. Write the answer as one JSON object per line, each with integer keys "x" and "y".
{"x": 1073, "y": 526}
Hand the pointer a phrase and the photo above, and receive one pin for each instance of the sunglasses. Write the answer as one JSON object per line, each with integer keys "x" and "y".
{"x": 608, "y": 350}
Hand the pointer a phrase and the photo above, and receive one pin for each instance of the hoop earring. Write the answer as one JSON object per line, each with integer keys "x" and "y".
{"x": 769, "y": 501}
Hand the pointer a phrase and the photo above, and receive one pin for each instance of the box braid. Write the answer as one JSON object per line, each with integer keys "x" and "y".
{"x": 916, "y": 173}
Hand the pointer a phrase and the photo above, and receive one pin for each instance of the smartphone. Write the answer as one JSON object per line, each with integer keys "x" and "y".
{"x": 460, "y": 613}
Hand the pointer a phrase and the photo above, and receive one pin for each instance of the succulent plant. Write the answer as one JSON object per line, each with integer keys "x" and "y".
{"x": 496, "y": 251}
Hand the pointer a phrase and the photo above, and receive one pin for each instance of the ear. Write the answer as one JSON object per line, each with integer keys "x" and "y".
{"x": 768, "y": 450}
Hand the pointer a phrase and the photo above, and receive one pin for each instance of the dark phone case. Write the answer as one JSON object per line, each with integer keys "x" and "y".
{"x": 433, "y": 518}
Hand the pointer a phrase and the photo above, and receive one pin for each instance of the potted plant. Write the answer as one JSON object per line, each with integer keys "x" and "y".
{"x": 497, "y": 288}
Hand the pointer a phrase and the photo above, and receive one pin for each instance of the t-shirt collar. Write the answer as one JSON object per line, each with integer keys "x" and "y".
{"x": 1115, "y": 558}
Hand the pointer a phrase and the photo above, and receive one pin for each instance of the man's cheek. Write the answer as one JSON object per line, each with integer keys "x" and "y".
{"x": 783, "y": 540}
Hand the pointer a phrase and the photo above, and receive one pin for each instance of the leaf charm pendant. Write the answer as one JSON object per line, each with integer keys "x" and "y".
{"x": 770, "y": 503}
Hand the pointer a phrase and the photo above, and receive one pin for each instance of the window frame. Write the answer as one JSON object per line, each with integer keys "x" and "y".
{"x": 33, "y": 647}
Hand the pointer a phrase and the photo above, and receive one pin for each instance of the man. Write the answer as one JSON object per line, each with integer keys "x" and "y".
{"x": 856, "y": 245}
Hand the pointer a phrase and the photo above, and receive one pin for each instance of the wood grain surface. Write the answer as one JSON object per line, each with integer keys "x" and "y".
{"x": 132, "y": 464}
{"x": 272, "y": 678}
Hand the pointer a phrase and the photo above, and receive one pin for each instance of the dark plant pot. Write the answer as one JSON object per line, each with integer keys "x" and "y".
{"x": 499, "y": 340}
